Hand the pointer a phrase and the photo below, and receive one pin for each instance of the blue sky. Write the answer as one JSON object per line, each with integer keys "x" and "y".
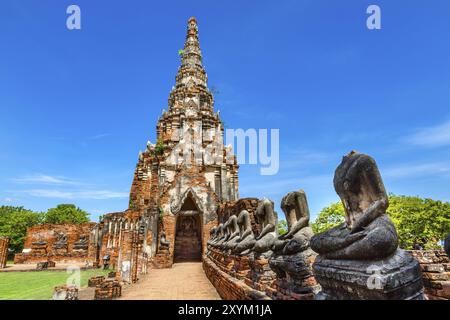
{"x": 77, "y": 106}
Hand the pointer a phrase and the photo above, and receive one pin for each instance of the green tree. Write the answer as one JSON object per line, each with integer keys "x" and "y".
{"x": 422, "y": 222}
{"x": 66, "y": 213}
{"x": 329, "y": 217}
{"x": 282, "y": 227}
{"x": 14, "y": 222}
{"x": 418, "y": 221}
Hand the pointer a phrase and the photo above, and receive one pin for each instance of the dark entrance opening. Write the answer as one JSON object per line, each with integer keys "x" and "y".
{"x": 188, "y": 235}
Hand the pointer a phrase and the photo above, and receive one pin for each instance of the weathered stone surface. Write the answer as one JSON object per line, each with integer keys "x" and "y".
{"x": 397, "y": 277}
{"x": 292, "y": 258}
{"x": 108, "y": 290}
{"x": 366, "y": 243}
{"x": 55, "y": 242}
{"x": 447, "y": 245}
{"x": 4, "y": 244}
{"x": 435, "y": 266}
{"x": 65, "y": 293}
{"x": 95, "y": 281}
{"x": 228, "y": 287}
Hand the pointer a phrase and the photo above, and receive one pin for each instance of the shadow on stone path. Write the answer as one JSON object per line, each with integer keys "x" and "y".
{"x": 185, "y": 281}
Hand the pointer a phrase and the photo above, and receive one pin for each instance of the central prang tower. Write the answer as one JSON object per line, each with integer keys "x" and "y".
{"x": 182, "y": 178}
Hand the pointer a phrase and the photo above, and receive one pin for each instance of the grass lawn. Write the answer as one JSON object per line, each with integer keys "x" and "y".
{"x": 38, "y": 285}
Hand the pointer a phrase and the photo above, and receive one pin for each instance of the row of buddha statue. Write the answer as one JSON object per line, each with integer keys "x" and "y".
{"x": 359, "y": 259}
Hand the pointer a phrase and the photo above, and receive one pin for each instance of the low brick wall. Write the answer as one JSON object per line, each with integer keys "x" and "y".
{"x": 48, "y": 235}
{"x": 435, "y": 265}
{"x": 228, "y": 287}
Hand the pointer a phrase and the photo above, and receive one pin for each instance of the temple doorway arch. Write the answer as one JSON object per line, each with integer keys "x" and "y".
{"x": 188, "y": 231}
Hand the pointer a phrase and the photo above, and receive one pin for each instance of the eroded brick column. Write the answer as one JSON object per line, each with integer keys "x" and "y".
{"x": 4, "y": 243}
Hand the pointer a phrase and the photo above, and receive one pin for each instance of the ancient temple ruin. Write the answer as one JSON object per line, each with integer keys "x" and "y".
{"x": 184, "y": 206}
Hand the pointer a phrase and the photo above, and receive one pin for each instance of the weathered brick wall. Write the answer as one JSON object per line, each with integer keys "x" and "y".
{"x": 4, "y": 243}
{"x": 228, "y": 287}
{"x": 435, "y": 265}
{"x": 48, "y": 234}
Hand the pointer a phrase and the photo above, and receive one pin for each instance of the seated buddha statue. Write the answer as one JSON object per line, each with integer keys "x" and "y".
{"x": 295, "y": 208}
{"x": 233, "y": 231}
{"x": 367, "y": 233}
{"x": 246, "y": 240}
{"x": 224, "y": 237}
{"x": 164, "y": 244}
{"x": 267, "y": 217}
{"x": 212, "y": 236}
{"x": 360, "y": 258}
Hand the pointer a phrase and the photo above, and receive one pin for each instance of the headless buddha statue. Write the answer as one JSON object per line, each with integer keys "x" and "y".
{"x": 212, "y": 236}
{"x": 233, "y": 231}
{"x": 224, "y": 236}
{"x": 246, "y": 239}
{"x": 164, "y": 244}
{"x": 219, "y": 235}
{"x": 268, "y": 219}
{"x": 367, "y": 233}
{"x": 295, "y": 208}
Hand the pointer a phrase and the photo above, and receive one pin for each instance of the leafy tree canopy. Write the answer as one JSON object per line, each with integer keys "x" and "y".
{"x": 66, "y": 213}
{"x": 419, "y": 222}
{"x": 282, "y": 227}
{"x": 14, "y": 222}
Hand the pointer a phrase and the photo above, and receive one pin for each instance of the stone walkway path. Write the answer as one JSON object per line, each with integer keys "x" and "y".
{"x": 185, "y": 281}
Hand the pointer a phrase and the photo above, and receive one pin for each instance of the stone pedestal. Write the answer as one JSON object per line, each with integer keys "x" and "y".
{"x": 42, "y": 265}
{"x": 295, "y": 279}
{"x": 241, "y": 267}
{"x": 108, "y": 290}
{"x": 397, "y": 277}
{"x": 261, "y": 275}
{"x": 38, "y": 249}
{"x": 162, "y": 260}
{"x": 95, "y": 281}
{"x": 65, "y": 293}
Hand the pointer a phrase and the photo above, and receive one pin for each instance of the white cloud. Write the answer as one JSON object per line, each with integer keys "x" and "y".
{"x": 408, "y": 170}
{"x": 7, "y": 200}
{"x": 46, "y": 179}
{"x": 435, "y": 136}
{"x": 77, "y": 194}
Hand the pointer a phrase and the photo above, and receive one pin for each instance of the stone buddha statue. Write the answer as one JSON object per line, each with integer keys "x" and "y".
{"x": 61, "y": 241}
{"x": 360, "y": 258}
{"x": 39, "y": 243}
{"x": 292, "y": 257}
{"x": 164, "y": 244}
{"x": 267, "y": 217}
{"x": 367, "y": 233}
{"x": 224, "y": 237}
{"x": 82, "y": 243}
{"x": 233, "y": 231}
{"x": 246, "y": 240}
{"x": 295, "y": 208}
{"x": 212, "y": 236}
{"x": 219, "y": 235}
